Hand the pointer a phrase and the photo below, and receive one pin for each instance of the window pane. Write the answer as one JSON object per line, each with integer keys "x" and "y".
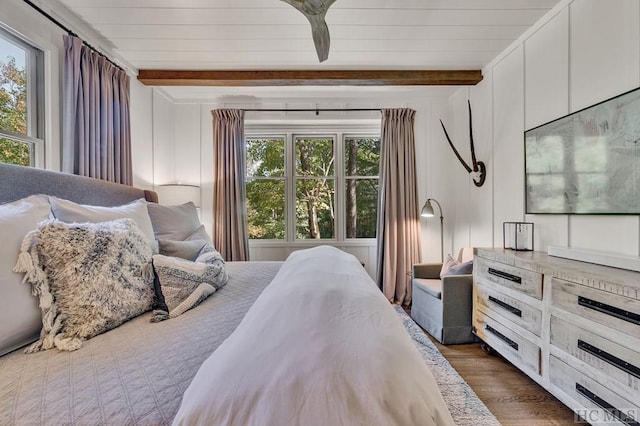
{"x": 13, "y": 87}
{"x": 265, "y": 209}
{"x": 315, "y": 216}
{"x": 15, "y": 152}
{"x": 361, "y": 207}
{"x": 265, "y": 157}
{"x": 361, "y": 156}
{"x": 314, "y": 157}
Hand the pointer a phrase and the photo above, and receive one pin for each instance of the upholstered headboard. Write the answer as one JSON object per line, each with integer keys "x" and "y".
{"x": 17, "y": 182}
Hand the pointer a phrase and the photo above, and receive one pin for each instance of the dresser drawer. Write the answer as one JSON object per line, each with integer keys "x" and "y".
{"x": 522, "y": 314}
{"x": 618, "y": 312}
{"x": 522, "y": 280}
{"x": 602, "y": 404}
{"x": 521, "y": 352}
{"x": 614, "y": 360}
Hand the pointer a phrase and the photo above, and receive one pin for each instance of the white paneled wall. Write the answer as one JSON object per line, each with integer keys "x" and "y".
{"x": 163, "y": 139}
{"x": 582, "y": 52}
{"x": 508, "y": 156}
{"x": 480, "y": 206}
{"x": 142, "y": 134}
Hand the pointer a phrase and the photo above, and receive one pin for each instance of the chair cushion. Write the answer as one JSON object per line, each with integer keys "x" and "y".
{"x": 432, "y": 287}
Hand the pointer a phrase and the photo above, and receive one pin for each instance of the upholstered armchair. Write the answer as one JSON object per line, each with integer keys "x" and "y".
{"x": 443, "y": 306}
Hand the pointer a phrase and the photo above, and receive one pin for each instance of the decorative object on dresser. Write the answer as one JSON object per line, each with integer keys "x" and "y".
{"x": 517, "y": 235}
{"x": 442, "y": 298}
{"x": 573, "y": 327}
{"x": 427, "y": 211}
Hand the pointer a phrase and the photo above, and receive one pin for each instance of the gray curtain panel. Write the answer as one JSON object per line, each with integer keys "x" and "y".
{"x": 398, "y": 228}
{"x": 96, "y": 134}
{"x": 230, "y": 233}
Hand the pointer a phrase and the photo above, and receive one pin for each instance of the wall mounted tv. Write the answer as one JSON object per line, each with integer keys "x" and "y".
{"x": 587, "y": 162}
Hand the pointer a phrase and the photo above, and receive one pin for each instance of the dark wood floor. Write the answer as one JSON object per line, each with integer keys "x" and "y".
{"x": 511, "y": 396}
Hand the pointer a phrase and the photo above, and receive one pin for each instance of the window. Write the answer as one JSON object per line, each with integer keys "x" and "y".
{"x": 20, "y": 100}
{"x": 315, "y": 187}
{"x": 361, "y": 159}
{"x": 312, "y": 186}
{"x": 266, "y": 188}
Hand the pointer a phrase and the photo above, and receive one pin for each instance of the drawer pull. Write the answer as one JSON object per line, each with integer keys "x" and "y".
{"x": 609, "y": 310}
{"x": 611, "y": 359}
{"x": 503, "y": 305}
{"x": 501, "y": 274}
{"x": 618, "y": 414}
{"x": 501, "y": 336}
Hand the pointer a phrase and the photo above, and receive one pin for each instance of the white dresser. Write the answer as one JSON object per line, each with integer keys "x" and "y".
{"x": 573, "y": 327}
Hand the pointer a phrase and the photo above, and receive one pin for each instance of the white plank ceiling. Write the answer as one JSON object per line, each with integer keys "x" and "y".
{"x": 269, "y": 34}
{"x": 272, "y": 35}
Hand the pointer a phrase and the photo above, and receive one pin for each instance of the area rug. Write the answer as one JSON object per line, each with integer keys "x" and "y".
{"x": 465, "y": 406}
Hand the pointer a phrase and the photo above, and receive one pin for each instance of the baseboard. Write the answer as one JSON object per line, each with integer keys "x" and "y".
{"x": 600, "y": 257}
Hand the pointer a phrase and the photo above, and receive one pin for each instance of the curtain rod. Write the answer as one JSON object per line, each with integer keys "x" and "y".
{"x": 68, "y": 31}
{"x": 316, "y": 110}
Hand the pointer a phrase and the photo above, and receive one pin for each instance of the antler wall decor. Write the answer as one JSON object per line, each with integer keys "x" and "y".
{"x": 479, "y": 169}
{"x": 315, "y": 11}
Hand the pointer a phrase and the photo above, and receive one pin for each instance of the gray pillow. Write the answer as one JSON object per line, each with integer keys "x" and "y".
{"x": 70, "y": 212}
{"x": 188, "y": 249}
{"x": 174, "y": 223}
{"x": 464, "y": 268}
{"x": 20, "y": 317}
{"x": 182, "y": 284}
{"x": 90, "y": 278}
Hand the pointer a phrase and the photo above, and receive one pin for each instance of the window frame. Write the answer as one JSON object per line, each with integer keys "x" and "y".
{"x": 294, "y": 184}
{"x": 339, "y": 132}
{"x": 35, "y": 77}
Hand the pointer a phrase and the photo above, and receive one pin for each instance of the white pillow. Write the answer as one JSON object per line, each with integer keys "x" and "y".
{"x": 20, "y": 319}
{"x": 70, "y": 212}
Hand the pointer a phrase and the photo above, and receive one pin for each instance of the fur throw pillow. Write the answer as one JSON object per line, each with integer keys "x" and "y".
{"x": 181, "y": 284}
{"x": 90, "y": 278}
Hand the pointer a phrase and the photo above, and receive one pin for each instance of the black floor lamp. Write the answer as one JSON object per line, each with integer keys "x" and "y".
{"x": 427, "y": 211}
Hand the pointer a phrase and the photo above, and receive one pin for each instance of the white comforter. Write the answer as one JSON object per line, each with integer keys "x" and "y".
{"x": 320, "y": 346}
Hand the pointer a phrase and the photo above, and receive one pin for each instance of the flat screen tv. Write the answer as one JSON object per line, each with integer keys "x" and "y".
{"x": 587, "y": 162}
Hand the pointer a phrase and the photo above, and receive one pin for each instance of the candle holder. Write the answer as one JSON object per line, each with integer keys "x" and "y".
{"x": 517, "y": 236}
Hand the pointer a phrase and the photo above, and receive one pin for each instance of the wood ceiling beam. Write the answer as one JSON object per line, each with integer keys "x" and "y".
{"x": 310, "y": 78}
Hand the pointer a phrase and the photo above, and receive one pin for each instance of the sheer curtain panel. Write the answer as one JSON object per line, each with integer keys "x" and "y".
{"x": 96, "y": 134}
{"x": 398, "y": 227}
{"x": 230, "y": 233}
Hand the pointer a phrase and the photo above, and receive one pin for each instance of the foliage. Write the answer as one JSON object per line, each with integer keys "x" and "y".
{"x": 13, "y": 112}
{"x": 266, "y": 197}
{"x": 315, "y": 187}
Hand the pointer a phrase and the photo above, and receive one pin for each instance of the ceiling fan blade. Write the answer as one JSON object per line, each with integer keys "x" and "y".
{"x": 315, "y": 11}
{"x": 321, "y": 37}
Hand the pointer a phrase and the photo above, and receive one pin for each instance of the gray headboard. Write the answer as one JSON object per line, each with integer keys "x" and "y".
{"x": 17, "y": 182}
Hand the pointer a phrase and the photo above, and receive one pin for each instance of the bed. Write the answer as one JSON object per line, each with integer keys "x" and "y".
{"x": 138, "y": 373}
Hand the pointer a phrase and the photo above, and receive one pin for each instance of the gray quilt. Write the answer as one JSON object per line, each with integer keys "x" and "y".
{"x": 132, "y": 375}
{"x": 136, "y": 374}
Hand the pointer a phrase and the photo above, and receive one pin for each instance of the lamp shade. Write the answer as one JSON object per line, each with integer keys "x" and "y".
{"x": 176, "y": 194}
{"x": 427, "y": 209}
